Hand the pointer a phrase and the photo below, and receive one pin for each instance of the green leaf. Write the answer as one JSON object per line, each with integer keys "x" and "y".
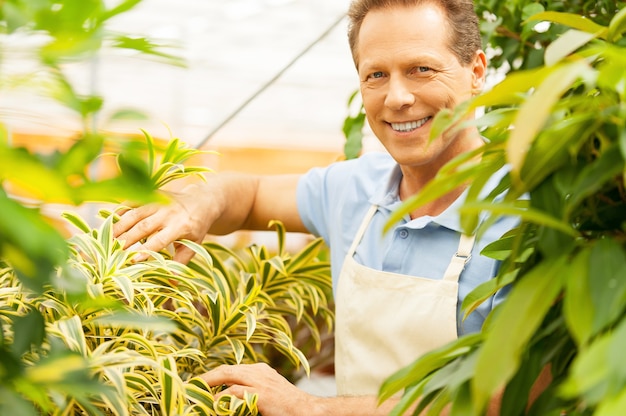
{"x": 353, "y": 131}
{"x": 578, "y": 308}
{"x": 552, "y": 149}
{"x": 536, "y": 110}
{"x": 305, "y": 257}
{"x": 128, "y": 114}
{"x": 511, "y": 329}
{"x": 28, "y": 331}
{"x": 14, "y": 403}
{"x": 59, "y": 368}
{"x": 169, "y": 390}
{"x": 566, "y": 44}
{"x": 73, "y": 334}
{"x": 572, "y": 20}
{"x": 251, "y": 323}
{"x": 423, "y": 366}
{"x": 126, "y": 287}
{"x": 617, "y": 27}
{"x": 484, "y": 291}
{"x": 31, "y": 177}
{"x": 119, "y": 189}
{"x": 198, "y": 390}
{"x": 595, "y": 175}
{"x": 238, "y": 349}
{"x": 512, "y": 89}
{"x": 612, "y": 76}
{"x": 147, "y": 47}
{"x": 133, "y": 167}
{"x": 137, "y": 321}
{"x": 589, "y": 373}
{"x": 526, "y": 214}
{"x": 462, "y": 402}
{"x": 77, "y": 159}
{"x": 31, "y": 245}
{"x": 441, "y": 185}
{"x": 531, "y": 9}
{"x": 612, "y": 406}
{"x": 121, "y": 8}
{"x": 280, "y": 232}
{"x": 77, "y": 221}
{"x": 607, "y": 266}
{"x": 499, "y": 249}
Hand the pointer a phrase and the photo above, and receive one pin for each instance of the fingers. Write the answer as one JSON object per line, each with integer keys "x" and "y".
{"x": 276, "y": 395}
{"x": 224, "y": 374}
{"x": 157, "y": 226}
{"x": 183, "y": 254}
{"x": 130, "y": 227}
{"x": 242, "y": 374}
{"x": 236, "y": 390}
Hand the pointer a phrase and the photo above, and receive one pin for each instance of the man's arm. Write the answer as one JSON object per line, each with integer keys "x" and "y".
{"x": 278, "y": 397}
{"x": 225, "y": 203}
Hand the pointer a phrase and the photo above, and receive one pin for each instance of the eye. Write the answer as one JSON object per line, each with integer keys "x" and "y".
{"x": 422, "y": 69}
{"x": 376, "y": 75}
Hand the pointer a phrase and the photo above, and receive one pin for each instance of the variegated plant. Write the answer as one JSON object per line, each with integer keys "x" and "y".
{"x": 113, "y": 336}
{"x": 145, "y": 330}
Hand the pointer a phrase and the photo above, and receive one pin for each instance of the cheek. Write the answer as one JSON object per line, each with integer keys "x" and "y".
{"x": 463, "y": 87}
{"x": 372, "y": 100}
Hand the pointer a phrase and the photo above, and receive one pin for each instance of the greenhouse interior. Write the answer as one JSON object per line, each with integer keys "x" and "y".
{"x": 111, "y": 111}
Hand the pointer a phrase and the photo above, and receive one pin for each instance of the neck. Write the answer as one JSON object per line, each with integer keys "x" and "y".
{"x": 415, "y": 178}
{"x": 435, "y": 207}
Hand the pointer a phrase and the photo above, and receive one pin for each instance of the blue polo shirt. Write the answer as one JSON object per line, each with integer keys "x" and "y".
{"x": 332, "y": 202}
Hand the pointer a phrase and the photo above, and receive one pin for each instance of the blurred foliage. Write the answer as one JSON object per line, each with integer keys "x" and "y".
{"x": 84, "y": 329}
{"x": 62, "y": 32}
{"x": 561, "y": 127}
{"x": 520, "y": 44}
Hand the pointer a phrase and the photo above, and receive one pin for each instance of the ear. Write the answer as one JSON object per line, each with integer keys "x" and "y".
{"x": 479, "y": 72}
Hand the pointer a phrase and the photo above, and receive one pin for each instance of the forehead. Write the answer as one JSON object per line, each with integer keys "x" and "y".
{"x": 399, "y": 30}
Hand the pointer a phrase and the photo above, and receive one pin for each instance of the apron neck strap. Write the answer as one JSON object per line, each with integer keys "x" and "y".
{"x": 362, "y": 228}
{"x": 460, "y": 258}
{"x": 457, "y": 264}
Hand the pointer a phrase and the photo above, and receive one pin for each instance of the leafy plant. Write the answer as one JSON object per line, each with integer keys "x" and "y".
{"x": 353, "y": 128}
{"x": 130, "y": 337}
{"x": 83, "y": 329}
{"x": 519, "y": 43}
{"x": 561, "y": 128}
{"x": 145, "y": 330}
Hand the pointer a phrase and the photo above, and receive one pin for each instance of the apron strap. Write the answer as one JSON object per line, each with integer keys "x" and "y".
{"x": 457, "y": 264}
{"x": 362, "y": 228}
{"x": 460, "y": 258}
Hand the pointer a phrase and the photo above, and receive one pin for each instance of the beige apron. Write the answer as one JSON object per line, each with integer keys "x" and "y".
{"x": 384, "y": 321}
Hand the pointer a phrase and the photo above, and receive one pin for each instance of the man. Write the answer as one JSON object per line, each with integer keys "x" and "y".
{"x": 397, "y": 294}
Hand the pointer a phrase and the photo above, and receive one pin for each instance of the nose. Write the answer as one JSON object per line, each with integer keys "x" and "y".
{"x": 399, "y": 94}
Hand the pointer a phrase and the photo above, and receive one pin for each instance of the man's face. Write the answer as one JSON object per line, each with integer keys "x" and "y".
{"x": 407, "y": 74}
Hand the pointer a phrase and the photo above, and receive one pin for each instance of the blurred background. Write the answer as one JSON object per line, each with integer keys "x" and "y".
{"x": 264, "y": 78}
{"x": 266, "y": 84}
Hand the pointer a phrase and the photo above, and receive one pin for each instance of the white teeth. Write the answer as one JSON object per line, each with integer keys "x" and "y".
{"x": 410, "y": 125}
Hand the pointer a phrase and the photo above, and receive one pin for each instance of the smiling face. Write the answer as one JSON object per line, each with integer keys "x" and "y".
{"x": 408, "y": 74}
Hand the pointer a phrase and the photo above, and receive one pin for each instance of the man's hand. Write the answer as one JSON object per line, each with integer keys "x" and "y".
{"x": 188, "y": 216}
{"x": 276, "y": 395}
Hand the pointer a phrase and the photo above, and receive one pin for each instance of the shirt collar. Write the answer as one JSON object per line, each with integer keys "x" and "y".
{"x": 387, "y": 199}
